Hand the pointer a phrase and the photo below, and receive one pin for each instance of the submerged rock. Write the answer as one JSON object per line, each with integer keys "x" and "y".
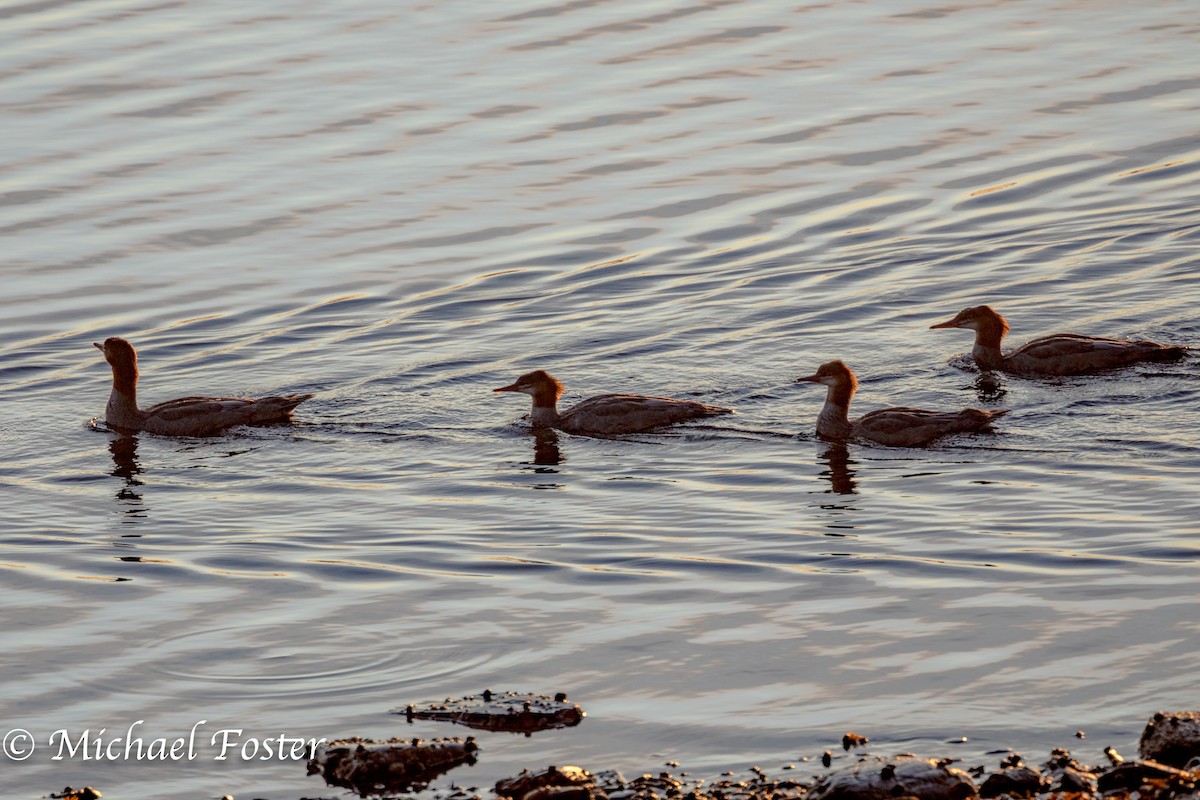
{"x": 878, "y": 778}
{"x": 517, "y": 712}
{"x": 373, "y": 766}
{"x": 1171, "y": 737}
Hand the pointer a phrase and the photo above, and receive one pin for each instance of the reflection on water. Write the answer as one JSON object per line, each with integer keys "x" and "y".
{"x": 838, "y": 472}
{"x": 545, "y": 449}
{"x": 123, "y": 449}
{"x": 989, "y": 387}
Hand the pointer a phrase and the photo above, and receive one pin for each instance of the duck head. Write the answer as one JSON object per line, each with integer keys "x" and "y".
{"x": 118, "y": 352}
{"x": 832, "y": 373}
{"x": 543, "y": 387}
{"x": 984, "y": 319}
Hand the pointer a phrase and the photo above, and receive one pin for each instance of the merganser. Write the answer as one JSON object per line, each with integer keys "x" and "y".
{"x": 187, "y": 416}
{"x": 605, "y": 414}
{"x": 1060, "y": 354}
{"x": 898, "y": 427}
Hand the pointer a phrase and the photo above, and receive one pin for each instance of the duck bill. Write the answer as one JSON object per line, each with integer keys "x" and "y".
{"x": 511, "y": 388}
{"x": 950, "y": 323}
{"x": 809, "y": 379}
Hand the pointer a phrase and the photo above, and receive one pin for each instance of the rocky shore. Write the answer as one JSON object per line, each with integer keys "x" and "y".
{"x": 1168, "y": 767}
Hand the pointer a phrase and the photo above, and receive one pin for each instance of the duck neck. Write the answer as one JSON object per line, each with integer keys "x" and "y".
{"x": 986, "y": 352}
{"x": 545, "y": 409}
{"x": 122, "y": 402}
{"x": 834, "y": 419}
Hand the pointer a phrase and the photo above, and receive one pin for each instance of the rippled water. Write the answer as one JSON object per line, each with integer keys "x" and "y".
{"x": 402, "y": 206}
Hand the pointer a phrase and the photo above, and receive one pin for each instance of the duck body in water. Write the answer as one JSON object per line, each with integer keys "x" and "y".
{"x": 605, "y": 414}
{"x": 186, "y": 416}
{"x": 1060, "y": 354}
{"x": 895, "y": 427}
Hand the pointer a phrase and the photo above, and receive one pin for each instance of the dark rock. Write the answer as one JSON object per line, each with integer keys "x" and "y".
{"x": 1012, "y": 760}
{"x": 562, "y": 782}
{"x": 516, "y": 712}
{"x": 371, "y": 766}
{"x": 1070, "y": 779}
{"x": 1019, "y": 781}
{"x": 1171, "y": 738}
{"x": 853, "y": 739}
{"x": 86, "y": 793}
{"x": 1131, "y": 775}
{"x": 1060, "y": 758}
{"x": 878, "y": 778}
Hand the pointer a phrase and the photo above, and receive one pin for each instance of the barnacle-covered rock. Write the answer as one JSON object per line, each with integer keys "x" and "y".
{"x": 518, "y": 712}
{"x": 373, "y": 766}
{"x": 878, "y": 778}
{"x": 1171, "y": 738}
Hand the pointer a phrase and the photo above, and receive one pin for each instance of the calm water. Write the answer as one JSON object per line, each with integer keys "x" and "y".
{"x": 400, "y": 206}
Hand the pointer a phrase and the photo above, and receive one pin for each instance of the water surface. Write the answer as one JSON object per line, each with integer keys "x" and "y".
{"x": 401, "y": 207}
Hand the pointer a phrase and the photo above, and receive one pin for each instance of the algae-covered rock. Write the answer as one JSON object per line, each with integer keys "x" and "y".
{"x": 878, "y": 778}
{"x": 517, "y": 712}
{"x": 373, "y": 766}
{"x": 1171, "y": 738}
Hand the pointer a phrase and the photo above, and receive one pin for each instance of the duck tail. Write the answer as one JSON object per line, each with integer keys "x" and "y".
{"x": 977, "y": 419}
{"x": 277, "y": 408}
{"x": 290, "y": 401}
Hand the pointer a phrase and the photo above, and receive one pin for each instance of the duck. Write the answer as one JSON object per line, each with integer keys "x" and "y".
{"x": 187, "y": 416}
{"x": 1060, "y": 354}
{"x": 605, "y": 414}
{"x": 895, "y": 427}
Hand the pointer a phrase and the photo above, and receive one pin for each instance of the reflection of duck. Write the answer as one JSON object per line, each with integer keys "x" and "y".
{"x": 124, "y": 456}
{"x": 1060, "y": 354}
{"x": 187, "y": 416}
{"x": 126, "y": 466}
{"x": 899, "y": 427}
{"x": 545, "y": 449}
{"x": 840, "y": 476}
{"x": 604, "y": 414}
